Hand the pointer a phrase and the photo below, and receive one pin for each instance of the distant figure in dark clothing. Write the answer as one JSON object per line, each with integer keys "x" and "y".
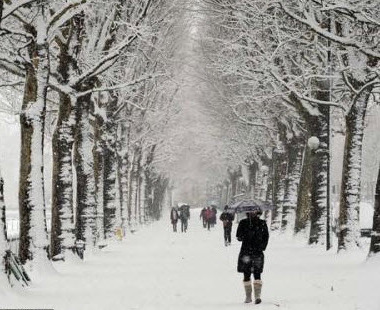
{"x": 227, "y": 218}
{"x": 203, "y": 217}
{"x": 213, "y": 217}
{"x": 209, "y": 217}
{"x": 174, "y": 218}
{"x": 253, "y": 232}
{"x": 184, "y": 215}
{"x": 186, "y": 209}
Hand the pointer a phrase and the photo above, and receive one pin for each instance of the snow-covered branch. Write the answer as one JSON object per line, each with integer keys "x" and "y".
{"x": 119, "y": 86}
{"x": 16, "y": 5}
{"x": 309, "y": 21}
{"x": 303, "y": 97}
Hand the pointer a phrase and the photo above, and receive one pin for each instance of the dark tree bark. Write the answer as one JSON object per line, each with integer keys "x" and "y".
{"x": 33, "y": 230}
{"x": 131, "y": 191}
{"x": 3, "y": 235}
{"x": 159, "y": 189}
{"x": 318, "y": 214}
{"x": 84, "y": 164}
{"x": 252, "y": 171}
{"x": 375, "y": 235}
{"x": 268, "y": 162}
{"x": 312, "y": 201}
{"x": 1, "y": 10}
{"x": 62, "y": 221}
{"x": 110, "y": 170}
{"x": 148, "y": 179}
{"x": 98, "y": 175}
{"x": 291, "y": 185}
{"x": 148, "y": 192}
{"x": 349, "y": 229}
{"x": 135, "y": 186}
{"x": 304, "y": 192}
{"x": 122, "y": 161}
{"x": 25, "y": 157}
{"x": 278, "y": 186}
{"x": 234, "y": 176}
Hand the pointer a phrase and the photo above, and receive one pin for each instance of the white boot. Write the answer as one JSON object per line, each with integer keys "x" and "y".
{"x": 248, "y": 291}
{"x": 257, "y": 285}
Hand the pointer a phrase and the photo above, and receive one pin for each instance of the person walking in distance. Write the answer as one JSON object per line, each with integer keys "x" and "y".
{"x": 227, "y": 218}
{"x": 254, "y": 235}
{"x": 184, "y": 215}
{"x": 209, "y": 217}
{"x": 213, "y": 217}
{"x": 174, "y": 218}
{"x": 203, "y": 217}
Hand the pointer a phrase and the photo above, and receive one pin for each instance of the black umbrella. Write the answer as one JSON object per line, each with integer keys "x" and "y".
{"x": 249, "y": 205}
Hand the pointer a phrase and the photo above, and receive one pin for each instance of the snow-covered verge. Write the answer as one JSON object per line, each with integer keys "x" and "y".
{"x": 10, "y": 158}
{"x": 13, "y": 223}
{"x": 158, "y": 269}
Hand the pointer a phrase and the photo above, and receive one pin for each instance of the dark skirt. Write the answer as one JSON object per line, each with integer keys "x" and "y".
{"x": 249, "y": 262}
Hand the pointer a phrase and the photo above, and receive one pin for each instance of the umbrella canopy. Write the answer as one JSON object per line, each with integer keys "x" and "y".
{"x": 249, "y": 205}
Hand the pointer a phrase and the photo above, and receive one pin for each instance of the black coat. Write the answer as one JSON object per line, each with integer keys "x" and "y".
{"x": 253, "y": 232}
{"x": 227, "y": 219}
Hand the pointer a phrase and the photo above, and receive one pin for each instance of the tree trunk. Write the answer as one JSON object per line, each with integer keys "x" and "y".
{"x": 318, "y": 215}
{"x": 144, "y": 216}
{"x": 160, "y": 186}
{"x": 279, "y": 174}
{"x": 304, "y": 192}
{"x": 109, "y": 177}
{"x": 138, "y": 189}
{"x": 84, "y": 164}
{"x": 33, "y": 232}
{"x": 148, "y": 192}
{"x": 68, "y": 41}
{"x": 291, "y": 187}
{"x": 227, "y": 185}
{"x": 269, "y": 185}
{"x": 3, "y": 237}
{"x": 117, "y": 201}
{"x": 98, "y": 174}
{"x": 134, "y": 201}
{"x": 375, "y": 236}
{"x": 134, "y": 189}
{"x": 122, "y": 161}
{"x": 130, "y": 191}
{"x": 148, "y": 180}
{"x": 62, "y": 221}
{"x": 312, "y": 202}
{"x": 349, "y": 228}
{"x": 100, "y": 231}
{"x": 252, "y": 186}
{"x": 234, "y": 179}
{"x": 261, "y": 186}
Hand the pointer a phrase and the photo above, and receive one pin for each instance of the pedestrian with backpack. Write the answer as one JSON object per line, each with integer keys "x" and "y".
{"x": 209, "y": 217}
{"x": 184, "y": 215}
{"x": 254, "y": 235}
{"x": 213, "y": 217}
{"x": 174, "y": 218}
{"x": 227, "y": 218}
{"x": 203, "y": 217}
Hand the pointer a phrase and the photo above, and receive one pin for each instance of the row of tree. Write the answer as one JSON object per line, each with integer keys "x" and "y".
{"x": 96, "y": 76}
{"x": 283, "y": 75}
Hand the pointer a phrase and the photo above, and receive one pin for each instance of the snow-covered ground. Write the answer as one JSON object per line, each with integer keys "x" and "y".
{"x": 158, "y": 269}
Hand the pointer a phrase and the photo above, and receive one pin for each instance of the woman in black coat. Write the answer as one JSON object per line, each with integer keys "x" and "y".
{"x": 253, "y": 232}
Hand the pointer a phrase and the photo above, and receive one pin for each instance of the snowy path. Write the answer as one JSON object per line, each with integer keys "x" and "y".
{"x": 159, "y": 269}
